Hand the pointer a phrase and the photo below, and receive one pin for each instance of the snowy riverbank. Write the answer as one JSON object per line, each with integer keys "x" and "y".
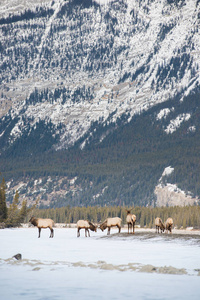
{"x": 146, "y": 265}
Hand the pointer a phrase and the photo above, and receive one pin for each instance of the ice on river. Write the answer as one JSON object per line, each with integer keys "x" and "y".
{"x": 119, "y": 266}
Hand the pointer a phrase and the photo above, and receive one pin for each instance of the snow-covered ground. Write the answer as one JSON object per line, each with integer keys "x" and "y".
{"x": 119, "y": 266}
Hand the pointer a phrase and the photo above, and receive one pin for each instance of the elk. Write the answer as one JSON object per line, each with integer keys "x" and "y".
{"x": 111, "y": 222}
{"x": 168, "y": 225}
{"x": 43, "y": 223}
{"x": 84, "y": 224}
{"x": 159, "y": 225}
{"x": 130, "y": 219}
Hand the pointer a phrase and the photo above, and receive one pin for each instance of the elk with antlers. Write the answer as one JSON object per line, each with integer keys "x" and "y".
{"x": 130, "y": 219}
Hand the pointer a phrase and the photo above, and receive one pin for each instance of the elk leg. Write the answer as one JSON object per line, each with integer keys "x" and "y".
{"x": 119, "y": 228}
{"x": 85, "y": 232}
{"x": 88, "y": 232}
{"x": 133, "y": 228}
{"x": 39, "y": 230}
{"x": 108, "y": 230}
{"x": 78, "y": 232}
{"x": 51, "y": 234}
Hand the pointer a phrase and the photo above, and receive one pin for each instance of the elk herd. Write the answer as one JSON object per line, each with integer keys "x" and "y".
{"x": 108, "y": 223}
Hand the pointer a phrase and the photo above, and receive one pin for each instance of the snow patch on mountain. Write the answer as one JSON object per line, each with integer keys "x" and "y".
{"x": 104, "y": 2}
{"x": 192, "y": 129}
{"x": 174, "y": 124}
{"x": 164, "y": 113}
{"x": 167, "y": 171}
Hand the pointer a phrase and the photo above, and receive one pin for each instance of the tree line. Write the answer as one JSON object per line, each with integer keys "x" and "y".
{"x": 12, "y": 216}
{"x": 187, "y": 216}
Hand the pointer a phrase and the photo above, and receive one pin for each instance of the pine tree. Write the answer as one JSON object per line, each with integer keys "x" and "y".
{"x": 142, "y": 219}
{"x": 23, "y": 212}
{"x": 13, "y": 213}
{"x": 3, "y": 207}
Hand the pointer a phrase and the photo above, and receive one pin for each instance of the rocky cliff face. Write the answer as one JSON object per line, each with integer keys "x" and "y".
{"x": 170, "y": 195}
{"x": 72, "y": 63}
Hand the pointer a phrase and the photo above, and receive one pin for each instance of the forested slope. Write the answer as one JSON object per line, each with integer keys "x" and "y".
{"x": 126, "y": 165}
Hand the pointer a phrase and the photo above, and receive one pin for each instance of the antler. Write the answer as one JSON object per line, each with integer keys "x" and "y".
{"x": 129, "y": 210}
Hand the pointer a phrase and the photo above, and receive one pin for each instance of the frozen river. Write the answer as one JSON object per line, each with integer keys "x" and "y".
{"x": 119, "y": 266}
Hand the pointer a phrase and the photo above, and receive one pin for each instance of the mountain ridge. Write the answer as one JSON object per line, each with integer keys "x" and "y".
{"x": 74, "y": 72}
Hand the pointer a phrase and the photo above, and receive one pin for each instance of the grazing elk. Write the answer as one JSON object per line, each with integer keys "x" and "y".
{"x": 159, "y": 225}
{"x": 168, "y": 225}
{"x": 84, "y": 224}
{"x": 111, "y": 222}
{"x": 130, "y": 219}
{"x": 43, "y": 223}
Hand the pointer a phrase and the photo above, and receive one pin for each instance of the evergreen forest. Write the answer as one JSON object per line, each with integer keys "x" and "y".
{"x": 124, "y": 167}
{"x": 14, "y": 216}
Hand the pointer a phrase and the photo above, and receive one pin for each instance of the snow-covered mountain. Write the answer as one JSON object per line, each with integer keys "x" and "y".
{"x": 68, "y": 68}
{"x": 77, "y": 62}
